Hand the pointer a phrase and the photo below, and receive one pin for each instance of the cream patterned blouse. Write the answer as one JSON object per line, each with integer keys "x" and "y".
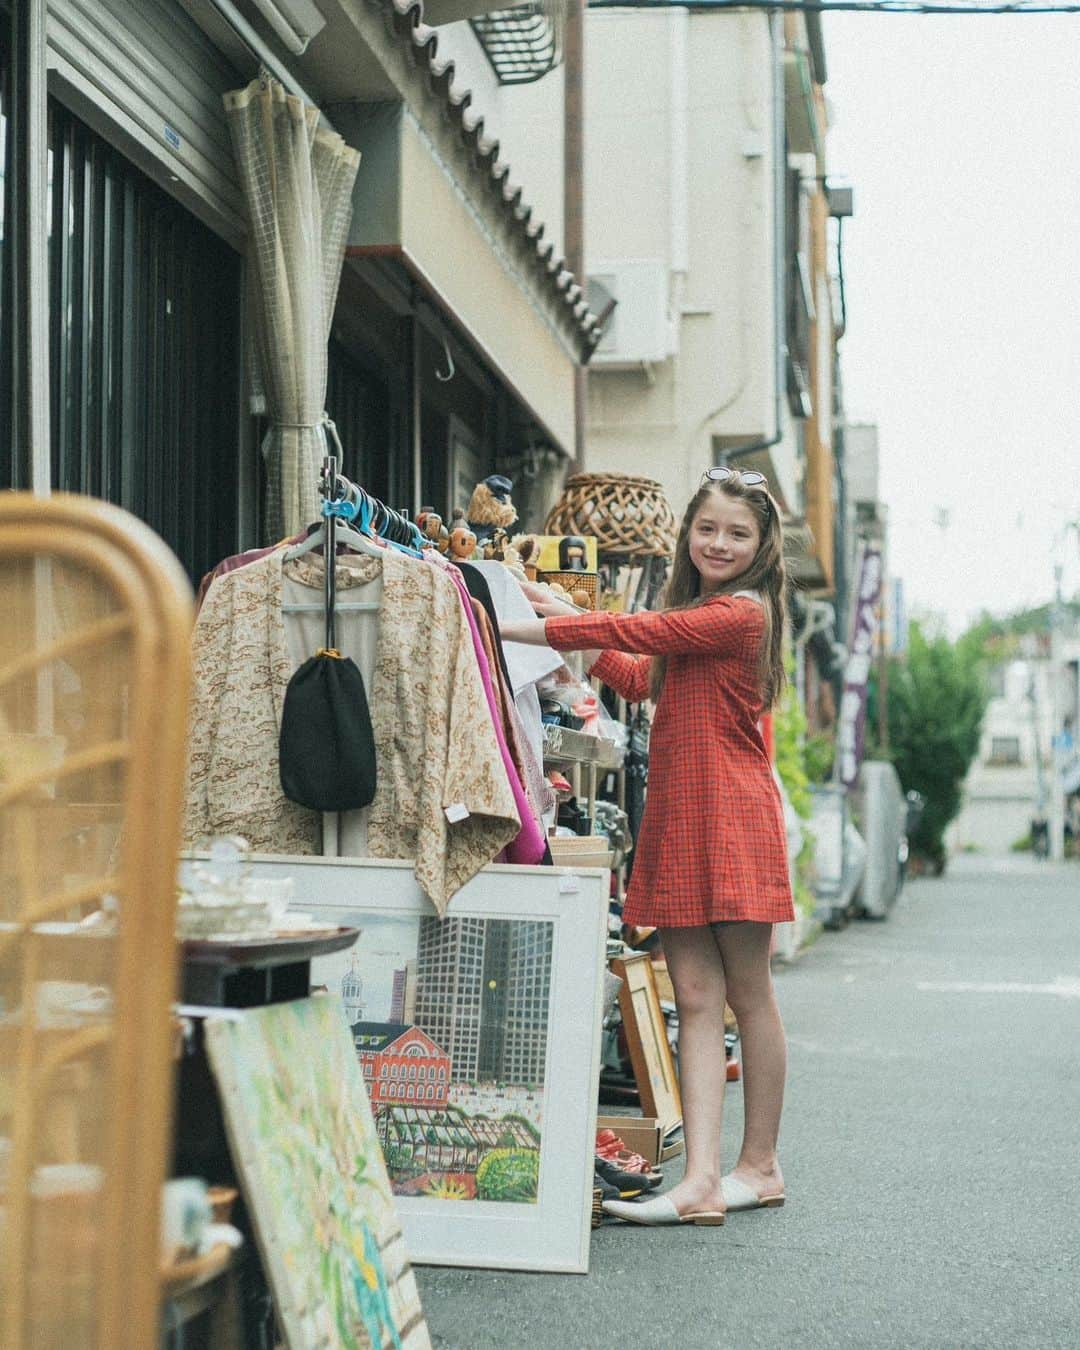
{"x": 435, "y": 743}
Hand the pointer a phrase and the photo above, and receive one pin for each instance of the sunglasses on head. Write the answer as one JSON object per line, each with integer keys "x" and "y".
{"x": 748, "y": 477}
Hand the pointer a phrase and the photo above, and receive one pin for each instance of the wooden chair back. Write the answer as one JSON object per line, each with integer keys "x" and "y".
{"x": 95, "y": 619}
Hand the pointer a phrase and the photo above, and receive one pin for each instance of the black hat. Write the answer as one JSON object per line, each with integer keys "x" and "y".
{"x": 499, "y": 486}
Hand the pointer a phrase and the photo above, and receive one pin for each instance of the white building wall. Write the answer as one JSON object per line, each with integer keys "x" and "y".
{"x": 526, "y": 120}
{"x": 680, "y": 169}
{"x": 1001, "y": 799}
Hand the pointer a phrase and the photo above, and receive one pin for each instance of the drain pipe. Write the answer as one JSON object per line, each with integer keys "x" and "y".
{"x": 780, "y": 351}
{"x": 262, "y": 53}
{"x": 574, "y": 192}
{"x": 779, "y": 147}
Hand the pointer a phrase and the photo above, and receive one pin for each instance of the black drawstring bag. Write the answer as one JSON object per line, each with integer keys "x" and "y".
{"x": 327, "y": 745}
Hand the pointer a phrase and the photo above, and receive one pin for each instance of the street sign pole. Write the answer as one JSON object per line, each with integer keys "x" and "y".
{"x": 1057, "y": 800}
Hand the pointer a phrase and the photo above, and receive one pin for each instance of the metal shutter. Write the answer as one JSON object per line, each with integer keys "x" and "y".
{"x": 149, "y": 80}
{"x": 145, "y": 341}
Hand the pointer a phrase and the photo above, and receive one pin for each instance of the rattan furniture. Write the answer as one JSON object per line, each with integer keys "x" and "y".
{"x": 629, "y": 516}
{"x": 95, "y": 616}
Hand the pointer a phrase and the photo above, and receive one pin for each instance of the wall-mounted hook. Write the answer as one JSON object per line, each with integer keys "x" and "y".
{"x": 451, "y": 369}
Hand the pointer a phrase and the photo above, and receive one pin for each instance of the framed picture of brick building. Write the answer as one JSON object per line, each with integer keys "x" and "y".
{"x": 478, "y": 1037}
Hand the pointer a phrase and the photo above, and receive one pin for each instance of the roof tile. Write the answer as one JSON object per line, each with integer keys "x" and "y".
{"x": 405, "y": 18}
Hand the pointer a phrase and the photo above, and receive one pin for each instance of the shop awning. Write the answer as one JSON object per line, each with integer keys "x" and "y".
{"x": 408, "y": 207}
{"x": 435, "y": 197}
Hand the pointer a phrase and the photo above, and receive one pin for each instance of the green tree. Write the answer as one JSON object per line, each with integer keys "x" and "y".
{"x": 789, "y": 735}
{"x": 936, "y": 701}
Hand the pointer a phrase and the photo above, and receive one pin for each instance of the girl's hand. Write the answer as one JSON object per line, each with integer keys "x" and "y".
{"x": 547, "y": 606}
{"x": 545, "y": 603}
{"x": 529, "y": 631}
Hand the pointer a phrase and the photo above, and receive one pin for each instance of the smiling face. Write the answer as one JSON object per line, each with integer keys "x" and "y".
{"x": 723, "y": 540}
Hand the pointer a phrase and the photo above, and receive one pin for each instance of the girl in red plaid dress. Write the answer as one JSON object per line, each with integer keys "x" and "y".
{"x": 710, "y": 868}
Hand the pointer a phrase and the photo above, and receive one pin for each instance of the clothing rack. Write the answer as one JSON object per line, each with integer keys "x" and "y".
{"x": 343, "y": 499}
{"x": 382, "y": 520}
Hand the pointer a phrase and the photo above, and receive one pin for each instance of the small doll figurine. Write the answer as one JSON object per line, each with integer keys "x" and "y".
{"x": 430, "y": 523}
{"x": 572, "y": 554}
{"x": 432, "y": 527}
{"x": 462, "y": 542}
{"x": 511, "y": 560}
{"x": 495, "y": 547}
{"x": 490, "y": 507}
{"x": 528, "y": 550}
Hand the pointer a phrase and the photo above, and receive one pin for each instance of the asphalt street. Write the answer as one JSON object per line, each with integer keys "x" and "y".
{"x": 931, "y": 1150}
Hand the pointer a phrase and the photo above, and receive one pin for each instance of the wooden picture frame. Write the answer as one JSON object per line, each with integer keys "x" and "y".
{"x": 302, "y": 1135}
{"x": 646, "y": 1037}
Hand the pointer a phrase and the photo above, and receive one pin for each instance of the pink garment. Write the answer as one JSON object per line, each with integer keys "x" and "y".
{"x": 238, "y": 560}
{"x": 530, "y": 846}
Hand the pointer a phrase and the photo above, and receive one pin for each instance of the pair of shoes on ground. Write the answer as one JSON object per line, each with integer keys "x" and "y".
{"x": 659, "y": 1211}
{"x": 607, "y": 1191}
{"x": 612, "y": 1149}
{"x": 620, "y": 1185}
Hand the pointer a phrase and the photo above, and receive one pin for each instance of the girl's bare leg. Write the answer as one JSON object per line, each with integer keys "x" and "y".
{"x": 744, "y": 951}
{"x": 697, "y": 974}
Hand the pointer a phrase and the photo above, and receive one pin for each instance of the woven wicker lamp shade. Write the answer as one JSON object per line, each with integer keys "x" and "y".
{"x": 628, "y": 516}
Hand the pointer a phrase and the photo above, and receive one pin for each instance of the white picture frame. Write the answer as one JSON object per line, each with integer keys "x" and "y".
{"x": 381, "y": 897}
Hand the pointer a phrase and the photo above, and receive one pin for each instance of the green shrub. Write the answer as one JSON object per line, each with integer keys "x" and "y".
{"x": 936, "y": 701}
{"x": 789, "y": 735}
{"x": 509, "y": 1174}
{"x": 791, "y": 746}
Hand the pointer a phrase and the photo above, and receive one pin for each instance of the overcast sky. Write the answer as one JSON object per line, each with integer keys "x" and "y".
{"x": 961, "y": 138}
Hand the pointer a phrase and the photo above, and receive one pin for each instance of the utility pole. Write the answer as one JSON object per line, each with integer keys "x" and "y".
{"x": 574, "y": 189}
{"x": 1057, "y": 800}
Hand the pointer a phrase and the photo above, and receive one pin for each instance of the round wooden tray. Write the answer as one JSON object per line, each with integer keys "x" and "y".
{"x": 270, "y": 950}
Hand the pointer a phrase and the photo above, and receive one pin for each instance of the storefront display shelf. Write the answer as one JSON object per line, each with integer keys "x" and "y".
{"x": 563, "y": 745}
{"x": 203, "y": 1290}
{"x": 260, "y": 970}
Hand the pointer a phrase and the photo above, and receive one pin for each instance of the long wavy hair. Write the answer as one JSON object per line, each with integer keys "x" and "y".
{"x": 766, "y": 575}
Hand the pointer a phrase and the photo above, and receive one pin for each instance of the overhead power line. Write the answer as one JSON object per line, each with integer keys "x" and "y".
{"x": 846, "y": 6}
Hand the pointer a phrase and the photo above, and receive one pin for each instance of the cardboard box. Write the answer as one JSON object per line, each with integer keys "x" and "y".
{"x": 585, "y": 850}
{"x": 644, "y": 1135}
{"x": 640, "y": 1134}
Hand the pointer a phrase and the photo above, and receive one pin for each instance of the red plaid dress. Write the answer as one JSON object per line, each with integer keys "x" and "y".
{"x": 712, "y": 845}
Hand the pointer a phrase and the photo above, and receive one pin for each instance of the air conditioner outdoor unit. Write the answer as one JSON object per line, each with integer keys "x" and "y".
{"x": 637, "y": 330}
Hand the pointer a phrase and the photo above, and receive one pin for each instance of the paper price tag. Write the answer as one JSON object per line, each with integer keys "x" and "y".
{"x": 569, "y": 885}
{"x": 457, "y": 812}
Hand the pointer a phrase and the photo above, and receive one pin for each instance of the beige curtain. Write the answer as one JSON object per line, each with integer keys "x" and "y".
{"x": 297, "y": 180}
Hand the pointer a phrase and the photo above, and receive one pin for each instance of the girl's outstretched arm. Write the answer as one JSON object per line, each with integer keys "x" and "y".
{"x": 627, "y": 675}
{"x": 721, "y": 627}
